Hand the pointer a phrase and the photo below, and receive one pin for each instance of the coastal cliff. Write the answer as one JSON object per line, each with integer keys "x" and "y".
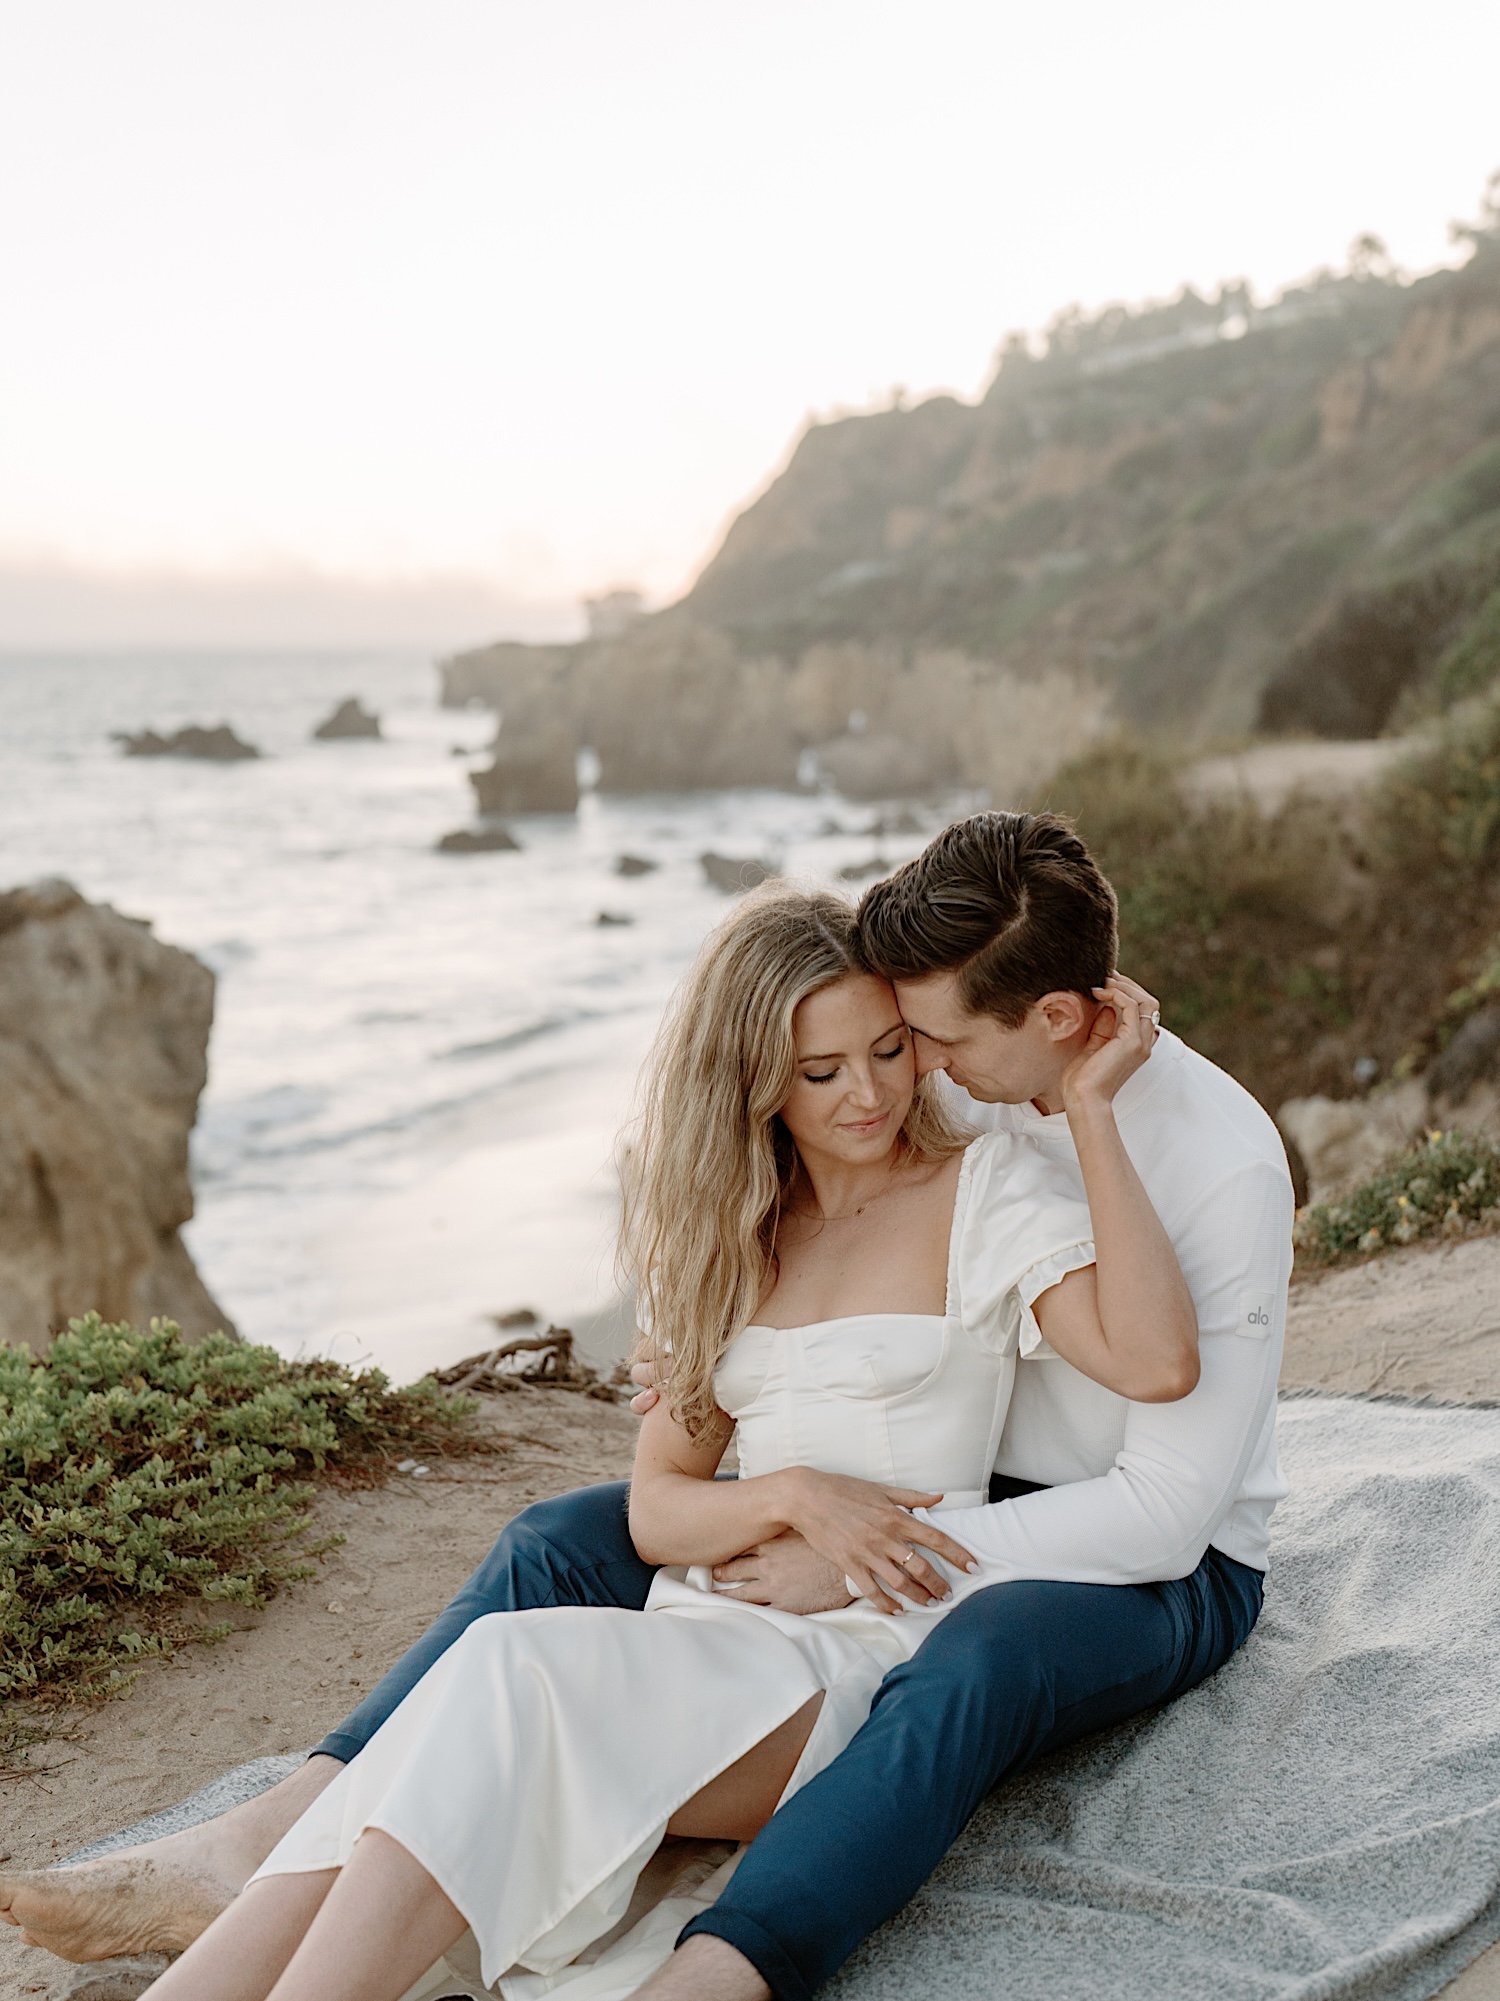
{"x": 1206, "y": 515}
{"x": 103, "y": 1058}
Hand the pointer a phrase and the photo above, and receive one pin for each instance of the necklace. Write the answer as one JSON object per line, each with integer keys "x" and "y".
{"x": 843, "y": 1215}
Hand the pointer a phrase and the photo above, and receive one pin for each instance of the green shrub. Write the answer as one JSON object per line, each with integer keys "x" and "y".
{"x": 139, "y": 1472}
{"x": 1447, "y": 1185}
{"x": 1221, "y": 905}
{"x": 1440, "y": 810}
{"x": 1472, "y": 662}
{"x": 1470, "y": 491}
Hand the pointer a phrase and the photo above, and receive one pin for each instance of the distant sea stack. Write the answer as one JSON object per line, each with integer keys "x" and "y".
{"x": 103, "y": 1058}
{"x": 351, "y": 720}
{"x": 535, "y": 770}
{"x": 479, "y": 841}
{"x": 219, "y": 745}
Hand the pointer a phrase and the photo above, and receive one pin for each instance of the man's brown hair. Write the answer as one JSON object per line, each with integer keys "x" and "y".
{"x": 1013, "y": 903}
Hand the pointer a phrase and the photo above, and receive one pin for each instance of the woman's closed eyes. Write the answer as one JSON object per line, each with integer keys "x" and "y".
{"x": 881, "y": 1056}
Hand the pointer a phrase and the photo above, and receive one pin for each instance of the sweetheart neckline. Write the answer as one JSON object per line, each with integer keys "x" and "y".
{"x": 835, "y": 1320}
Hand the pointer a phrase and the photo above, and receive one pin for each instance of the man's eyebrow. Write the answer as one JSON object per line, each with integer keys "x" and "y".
{"x": 926, "y": 1035}
{"x": 837, "y": 1055}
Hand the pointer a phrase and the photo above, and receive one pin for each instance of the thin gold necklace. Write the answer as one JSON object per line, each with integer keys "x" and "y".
{"x": 847, "y": 1215}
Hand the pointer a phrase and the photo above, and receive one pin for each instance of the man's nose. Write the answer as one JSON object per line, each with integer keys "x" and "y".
{"x": 929, "y": 1058}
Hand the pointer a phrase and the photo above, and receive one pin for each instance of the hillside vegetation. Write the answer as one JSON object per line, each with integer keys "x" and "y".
{"x": 1233, "y": 517}
{"x": 1313, "y": 948}
{"x": 1206, "y": 518}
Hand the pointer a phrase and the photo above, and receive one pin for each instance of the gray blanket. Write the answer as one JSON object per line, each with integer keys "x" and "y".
{"x": 1320, "y": 1820}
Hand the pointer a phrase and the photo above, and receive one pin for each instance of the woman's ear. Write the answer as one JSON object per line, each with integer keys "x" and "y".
{"x": 1067, "y": 1014}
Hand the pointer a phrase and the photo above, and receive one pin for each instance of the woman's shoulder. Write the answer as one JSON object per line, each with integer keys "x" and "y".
{"x": 1019, "y": 1202}
{"x": 1012, "y": 1166}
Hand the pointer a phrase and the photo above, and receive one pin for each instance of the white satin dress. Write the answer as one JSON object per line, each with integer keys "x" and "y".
{"x": 534, "y": 1768}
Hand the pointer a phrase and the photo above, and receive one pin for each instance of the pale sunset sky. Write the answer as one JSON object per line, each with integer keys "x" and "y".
{"x": 363, "y": 320}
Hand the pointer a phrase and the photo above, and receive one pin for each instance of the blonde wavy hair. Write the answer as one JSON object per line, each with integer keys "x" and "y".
{"x": 708, "y": 1163}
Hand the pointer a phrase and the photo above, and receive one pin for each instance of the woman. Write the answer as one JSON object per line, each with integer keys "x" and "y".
{"x": 826, "y": 1267}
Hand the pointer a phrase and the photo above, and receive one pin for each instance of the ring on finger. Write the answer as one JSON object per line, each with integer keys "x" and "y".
{"x": 910, "y": 1554}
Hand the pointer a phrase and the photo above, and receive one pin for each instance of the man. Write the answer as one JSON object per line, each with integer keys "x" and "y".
{"x": 1132, "y": 1537}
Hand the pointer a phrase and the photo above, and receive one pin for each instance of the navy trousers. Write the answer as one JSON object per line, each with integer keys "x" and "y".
{"x": 1012, "y": 1673}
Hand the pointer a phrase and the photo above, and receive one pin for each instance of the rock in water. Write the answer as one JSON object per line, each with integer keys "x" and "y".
{"x": 103, "y": 1057}
{"x": 634, "y": 865}
{"x": 733, "y": 874}
{"x": 351, "y": 719}
{"x": 479, "y": 841}
{"x": 219, "y": 745}
{"x": 535, "y": 771}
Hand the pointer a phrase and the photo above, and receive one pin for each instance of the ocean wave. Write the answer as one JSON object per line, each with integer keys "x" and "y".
{"x": 515, "y": 1038}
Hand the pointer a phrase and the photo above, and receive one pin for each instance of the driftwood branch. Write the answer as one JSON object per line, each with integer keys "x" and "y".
{"x": 546, "y": 1361}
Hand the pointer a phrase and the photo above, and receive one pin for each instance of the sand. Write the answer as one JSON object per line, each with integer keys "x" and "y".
{"x": 1269, "y": 773}
{"x": 1414, "y": 1323}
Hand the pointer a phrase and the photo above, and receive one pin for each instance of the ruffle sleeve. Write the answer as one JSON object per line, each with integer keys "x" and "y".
{"x": 1023, "y": 1225}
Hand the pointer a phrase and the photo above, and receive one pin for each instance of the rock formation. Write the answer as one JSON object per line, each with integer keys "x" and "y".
{"x": 479, "y": 841}
{"x": 219, "y": 745}
{"x": 103, "y": 1057}
{"x": 535, "y": 768}
{"x": 1342, "y": 1141}
{"x": 350, "y": 719}
{"x": 1146, "y": 524}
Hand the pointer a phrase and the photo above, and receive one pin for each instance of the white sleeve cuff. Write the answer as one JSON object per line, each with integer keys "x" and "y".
{"x": 1040, "y": 1278}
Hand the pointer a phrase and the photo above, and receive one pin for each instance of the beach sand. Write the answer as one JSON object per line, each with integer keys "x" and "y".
{"x": 1415, "y": 1323}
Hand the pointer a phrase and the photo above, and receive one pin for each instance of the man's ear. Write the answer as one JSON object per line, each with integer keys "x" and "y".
{"x": 1066, "y": 1014}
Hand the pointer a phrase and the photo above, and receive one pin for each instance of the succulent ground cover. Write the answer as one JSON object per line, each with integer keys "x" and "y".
{"x": 1447, "y": 1185}
{"x": 143, "y": 1476}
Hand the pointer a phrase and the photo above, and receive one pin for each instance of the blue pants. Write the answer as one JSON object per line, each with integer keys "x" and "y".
{"x": 1015, "y": 1671}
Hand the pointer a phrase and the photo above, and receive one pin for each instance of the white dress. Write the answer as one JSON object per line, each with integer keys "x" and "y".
{"x": 534, "y": 1768}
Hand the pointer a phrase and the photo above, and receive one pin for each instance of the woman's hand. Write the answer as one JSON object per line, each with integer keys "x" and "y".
{"x": 869, "y": 1534}
{"x": 647, "y": 1396}
{"x": 1119, "y": 1043}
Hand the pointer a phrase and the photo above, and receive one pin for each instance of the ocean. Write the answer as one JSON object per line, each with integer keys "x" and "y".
{"x": 419, "y": 1062}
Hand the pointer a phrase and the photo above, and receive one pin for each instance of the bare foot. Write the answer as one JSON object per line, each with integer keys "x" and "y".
{"x": 159, "y": 1896}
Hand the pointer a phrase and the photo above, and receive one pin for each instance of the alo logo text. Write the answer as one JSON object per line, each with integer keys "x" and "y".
{"x": 1257, "y": 1315}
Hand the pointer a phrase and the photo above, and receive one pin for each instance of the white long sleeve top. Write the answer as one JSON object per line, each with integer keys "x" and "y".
{"x": 1138, "y": 1492}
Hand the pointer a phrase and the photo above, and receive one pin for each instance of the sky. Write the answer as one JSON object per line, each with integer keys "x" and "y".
{"x": 336, "y": 321}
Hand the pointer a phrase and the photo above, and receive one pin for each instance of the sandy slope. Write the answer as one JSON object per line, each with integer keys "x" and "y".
{"x": 1419, "y": 1322}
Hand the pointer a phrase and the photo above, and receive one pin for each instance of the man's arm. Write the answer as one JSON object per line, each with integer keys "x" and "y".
{"x": 1181, "y": 1465}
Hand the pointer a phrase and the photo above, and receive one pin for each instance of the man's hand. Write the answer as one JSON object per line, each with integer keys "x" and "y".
{"x": 785, "y": 1572}
{"x": 1121, "y": 1039}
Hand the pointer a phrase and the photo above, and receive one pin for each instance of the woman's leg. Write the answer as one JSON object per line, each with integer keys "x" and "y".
{"x": 384, "y": 1922}
{"x": 361, "y": 1933}
{"x": 367, "y": 1931}
{"x": 736, "y": 1805}
{"x": 160, "y": 1895}
{"x": 247, "y": 1948}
